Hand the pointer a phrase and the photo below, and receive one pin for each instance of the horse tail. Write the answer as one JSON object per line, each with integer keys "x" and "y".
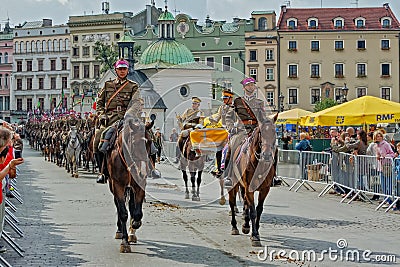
{"x": 276, "y": 160}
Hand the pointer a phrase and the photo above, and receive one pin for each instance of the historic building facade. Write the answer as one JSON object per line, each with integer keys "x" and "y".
{"x": 6, "y": 58}
{"x": 326, "y": 50}
{"x": 41, "y": 68}
{"x": 262, "y": 54}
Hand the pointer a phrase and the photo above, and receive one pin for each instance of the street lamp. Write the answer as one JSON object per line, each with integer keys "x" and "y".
{"x": 280, "y": 104}
{"x": 344, "y": 92}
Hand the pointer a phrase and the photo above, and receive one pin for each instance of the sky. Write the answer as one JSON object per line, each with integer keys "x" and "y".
{"x": 19, "y": 11}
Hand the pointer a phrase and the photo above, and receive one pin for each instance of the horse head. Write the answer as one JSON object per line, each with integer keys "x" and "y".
{"x": 267, "y": 138}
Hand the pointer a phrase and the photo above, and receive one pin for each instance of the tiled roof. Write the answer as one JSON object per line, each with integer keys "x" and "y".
{"x": 325, "y": 18}
{"x": 230, "y": 27}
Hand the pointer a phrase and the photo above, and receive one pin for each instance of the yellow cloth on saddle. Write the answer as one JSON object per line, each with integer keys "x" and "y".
{"x": 209, "y": 139}
{"x": 207, "y": 123}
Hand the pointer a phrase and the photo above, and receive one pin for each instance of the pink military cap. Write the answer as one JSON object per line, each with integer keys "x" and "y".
{"x": 122, "y": 63}
{"x": 246, "y": 81}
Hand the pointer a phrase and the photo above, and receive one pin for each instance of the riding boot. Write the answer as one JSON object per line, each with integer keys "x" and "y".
{"x": 101, "y": 178}
{"x": 106, "y": 141}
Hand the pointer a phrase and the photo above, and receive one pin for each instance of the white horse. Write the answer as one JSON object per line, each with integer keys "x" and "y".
{"x": 72, "y": 152}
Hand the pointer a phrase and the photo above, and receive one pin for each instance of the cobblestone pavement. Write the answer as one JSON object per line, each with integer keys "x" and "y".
{"x": 71, "y": 222}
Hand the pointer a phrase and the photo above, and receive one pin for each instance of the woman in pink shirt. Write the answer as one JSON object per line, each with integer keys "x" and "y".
{"x": 384, "y": 155}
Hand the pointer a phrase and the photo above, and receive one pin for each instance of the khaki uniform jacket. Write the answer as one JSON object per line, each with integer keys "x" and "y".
{"x": 221, "y": 114}
{"x": 119, "y": 104}
{"x": 191, "y": 117}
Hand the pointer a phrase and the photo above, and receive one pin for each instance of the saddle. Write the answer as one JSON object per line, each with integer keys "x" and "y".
{"x": 110, "y": 134}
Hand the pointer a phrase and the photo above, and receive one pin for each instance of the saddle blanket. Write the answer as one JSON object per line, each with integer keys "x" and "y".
{"x": 209, "y": 139}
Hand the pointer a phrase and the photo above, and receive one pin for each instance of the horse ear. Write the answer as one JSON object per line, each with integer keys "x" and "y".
{"x": 275, "y": 117}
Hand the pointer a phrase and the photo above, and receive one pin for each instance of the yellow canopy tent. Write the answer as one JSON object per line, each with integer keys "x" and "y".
{"x": 291, "y": 116}
{"x": 363, "y": 110}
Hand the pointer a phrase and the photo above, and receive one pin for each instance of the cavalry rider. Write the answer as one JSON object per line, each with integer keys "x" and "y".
{"x": 111, "y": 105}
{"x": 192, "y": 116}
{"x": 241, "y": 120}
{"x": 227, "y": 97}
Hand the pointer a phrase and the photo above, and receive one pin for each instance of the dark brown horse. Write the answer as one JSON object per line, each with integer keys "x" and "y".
{"x": 194, "y": 163}
{"x": 128, "y": 166}
{"x": 255, "y": 167}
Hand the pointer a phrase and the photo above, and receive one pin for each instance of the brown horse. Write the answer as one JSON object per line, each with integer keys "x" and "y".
{"x": 128, "y": 166}
{"x": 194, "y": 163}
{"x": 255, "y": 168}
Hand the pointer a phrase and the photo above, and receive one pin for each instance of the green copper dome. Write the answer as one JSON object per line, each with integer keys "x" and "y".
{"x": 166, "y": 16}
{"x": 166, "y": 52}
{"x": 127, "y": 38}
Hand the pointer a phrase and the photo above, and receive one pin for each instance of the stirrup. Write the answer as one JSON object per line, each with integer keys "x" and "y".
{"x": 101, "y": 179}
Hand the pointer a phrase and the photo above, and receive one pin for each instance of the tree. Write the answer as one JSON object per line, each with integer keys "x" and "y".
{"x": 324, "y": 104}
{"x": 107, "y": 54}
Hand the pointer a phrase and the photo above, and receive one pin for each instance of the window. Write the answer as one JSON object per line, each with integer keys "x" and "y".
{"x": 5, "y": 57}
{"x": 19, "y": 84}
{"x": 361, "y": 44}
{"x": 40, "y": 64}
{"x": 85, "y": 71}
{"x": 386, "y": 23}
{"x": 385, "y": 45}
{"x": 1, "y": 80}
{"x": 28, "y": 83}
{"x": 360, "y": 23}
{"x": 19, "y": 66}
{"x": 253, "y": 55}
{"x": 292, "y": 71}
{"x": 253, "y": 73}
{"x": 184, "y": 91}
{"x": 29, "y": 65}
{"x": 19, "y": 104}
{"x": 64, "y": 82}
{"x": 315, "y": 71}
{"x": 293, "y": 45}
{"x": 339, "y": 73}
{"x": 385, "y": 93}
{"x": 76, "y": 72}
{"x": 52, "y": 64}
{"x": 339, "y": 45}
{"x": 41, "y": 83}
{"x": 270, "y": 98}
{"x": 53, "y": 83}
{"x": 226, "y": 63}
{"x": 6, "y": 103}
{"x": 96, "y": 71}
{"x": 315, "y": 95}
{"x": 41, "y": 101}
{"x": 361, "y": 70}
{"x": 85, "y": 51}
{"x": 29, "y": 104}
{"x": 1, "y": 58}
{"x": 269, "y": 74}
{"x": 314, "y": 45}
{"x": 196, "y": 59}
{"x": 95, "y": 51}
{"x": 269, "y": 54}
{"x": 1, "y": 103}
{"x": 63, "y": 64}
{"x": 6, "y": 79}
{"x": 291, "y": 24}
{"x": 338, "y": 23}
{"x": 210, "y": 61}
{"x": 293, "y": 96}
{"x": 262, "y": 24}
{"x": 75, "y": 51}
{"x": 385, "y": 69}
{"x": 312, "y": 24}
{"x": 361, "y": 91}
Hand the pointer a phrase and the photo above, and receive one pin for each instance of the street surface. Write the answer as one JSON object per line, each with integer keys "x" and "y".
{"x": 72, "y": 221}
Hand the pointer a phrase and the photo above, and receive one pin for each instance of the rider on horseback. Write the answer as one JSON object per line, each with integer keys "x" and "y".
{"x": 111, "y": 105}
{"x": 241, "y": 120}
{"x": 227, "y": 97}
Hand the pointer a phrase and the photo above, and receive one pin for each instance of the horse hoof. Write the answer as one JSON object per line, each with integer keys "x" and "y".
{"x": 76, "y": 175}
{"x": 125, "y": 248}
{"x": 72, "y": 175}
{"x": 245, "y": 230}
{"x": 236, "y": 210}
{"x": 255, "y": 241}
{"x": 222, "y": 200}
{"x": 118, "y": 235}
{"x": 132, "y": 239}
{"x": 187, "y": 195}
{"x": 235, "y": 232}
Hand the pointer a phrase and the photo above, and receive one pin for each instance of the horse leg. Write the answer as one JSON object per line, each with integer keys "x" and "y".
{"x": 185, "y": 179}
{"x": 260, "y": 206}
{"x": 222, "y": 199}
{"x": 255, "y": 236}
{"x": 232, "y": 203}
{"x": 118, "y": 233}
{"x": 135, "y": 208}
{"x": 199, "y": 173}
{"x": 193, "y": 181}
{"x": 245, "y": 215}
{"x": 122, "y": 218}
